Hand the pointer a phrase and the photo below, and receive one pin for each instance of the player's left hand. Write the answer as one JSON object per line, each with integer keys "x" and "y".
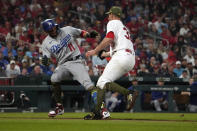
{"x": 92, "y": 34}
{"x": 90, "y": 53}
{"x": 45, "y": 60}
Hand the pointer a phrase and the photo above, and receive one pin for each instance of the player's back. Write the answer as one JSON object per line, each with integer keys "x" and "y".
{"x": 122, "y": 35}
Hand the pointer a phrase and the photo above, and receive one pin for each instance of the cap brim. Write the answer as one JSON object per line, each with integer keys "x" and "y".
{"x": 108, "y": 12}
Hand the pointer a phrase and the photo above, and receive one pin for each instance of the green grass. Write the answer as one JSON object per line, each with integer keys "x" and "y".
{"x": 127, "y": 122}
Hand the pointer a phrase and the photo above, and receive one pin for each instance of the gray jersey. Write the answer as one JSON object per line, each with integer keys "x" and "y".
{"x": 63, "y": 47}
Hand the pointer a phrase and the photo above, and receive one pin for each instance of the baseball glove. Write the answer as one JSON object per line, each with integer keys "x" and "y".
{"x": 45, "y": 60}
{"x": 92, "y": 34}
{"x": 100, "y": 54}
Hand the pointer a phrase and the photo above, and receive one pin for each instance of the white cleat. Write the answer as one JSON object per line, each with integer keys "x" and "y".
{"x": 59, "y": 110}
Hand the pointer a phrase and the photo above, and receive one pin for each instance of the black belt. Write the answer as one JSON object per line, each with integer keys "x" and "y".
{"x": 74, "y": 58}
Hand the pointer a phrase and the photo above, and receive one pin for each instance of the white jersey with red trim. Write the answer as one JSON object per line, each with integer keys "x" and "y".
{"x": 122, "y": 39}
{"x": 63, "y": 46}
{"x": 122, "y": 54}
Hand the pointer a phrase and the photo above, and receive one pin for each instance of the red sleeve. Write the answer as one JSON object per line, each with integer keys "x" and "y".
{"x": 83, "y": 32}
{"x": 110, "y": 35}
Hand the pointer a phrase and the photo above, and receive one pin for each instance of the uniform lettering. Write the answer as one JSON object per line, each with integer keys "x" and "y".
{"x": 71, "y": 47}
{"x": 63, "y": 43}
{"x": 127, "y": 33}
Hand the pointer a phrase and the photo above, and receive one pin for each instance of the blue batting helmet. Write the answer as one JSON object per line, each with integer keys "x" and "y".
{"x": 48, "y": 24}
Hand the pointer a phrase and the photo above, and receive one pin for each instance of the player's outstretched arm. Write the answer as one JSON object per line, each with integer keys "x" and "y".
{"x": 104, "y": 43}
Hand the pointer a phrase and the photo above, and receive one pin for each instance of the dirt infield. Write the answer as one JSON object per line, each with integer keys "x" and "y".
{"x": 114, "y": 119}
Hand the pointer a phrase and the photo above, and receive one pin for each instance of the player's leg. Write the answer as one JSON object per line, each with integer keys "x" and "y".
{"x": 80, "y": 73}
{"x": 117, "y": 67}
{"x": 58, "y": 75}
{"x": 113, "y": 100}
{"x": 56, "y": 89}
{"x": 157, "y": 104}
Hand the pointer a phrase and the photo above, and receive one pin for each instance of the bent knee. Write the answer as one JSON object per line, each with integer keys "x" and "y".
{"x": 55, "y": 79}
{"x": 103, "y": 85}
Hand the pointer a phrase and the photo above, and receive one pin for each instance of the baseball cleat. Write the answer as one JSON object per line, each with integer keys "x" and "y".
{"x": 105, "y": 113}
{"x": 59, "y": 110}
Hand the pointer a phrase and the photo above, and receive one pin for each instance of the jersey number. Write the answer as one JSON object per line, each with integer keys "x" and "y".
{"x": 71, "y": 47}
{"x": 127, "y": 33}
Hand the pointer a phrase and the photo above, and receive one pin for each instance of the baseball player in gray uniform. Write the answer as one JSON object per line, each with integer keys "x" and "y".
{"x": 60, "y": 43}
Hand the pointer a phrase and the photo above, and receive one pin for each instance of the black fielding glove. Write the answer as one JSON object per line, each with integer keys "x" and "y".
{"x": 44, "y": 60}
{"x": 92, "y": 34}
{"x": 100, "y": 54}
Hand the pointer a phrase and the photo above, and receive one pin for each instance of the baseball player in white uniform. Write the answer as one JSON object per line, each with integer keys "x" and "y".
{"x": 122, "y": 58}
{"x": 60, "y": 43}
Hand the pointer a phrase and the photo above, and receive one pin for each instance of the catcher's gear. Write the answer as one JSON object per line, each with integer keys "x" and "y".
{"x": 48, "y": 24}
{"x": 100, "y": 54}
{"x": 45, "y": 60}
{"x": 92, "y": 34}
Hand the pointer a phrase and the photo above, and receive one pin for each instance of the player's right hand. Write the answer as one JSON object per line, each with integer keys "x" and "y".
{"x": 90, "y": 53}
{"x": 101, "y": 54}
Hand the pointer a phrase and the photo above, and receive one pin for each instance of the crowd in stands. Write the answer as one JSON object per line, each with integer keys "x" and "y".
{"x": 164, "y": 34}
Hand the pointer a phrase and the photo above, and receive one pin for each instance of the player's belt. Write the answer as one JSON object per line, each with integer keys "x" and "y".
{"x": 127, "y": 50}
{"x": 74, "y": 58}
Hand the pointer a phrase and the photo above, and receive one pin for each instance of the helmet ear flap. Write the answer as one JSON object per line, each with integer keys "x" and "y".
{"x": 57, "y": 28}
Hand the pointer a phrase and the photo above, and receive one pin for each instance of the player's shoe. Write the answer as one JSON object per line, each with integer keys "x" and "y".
{"x": 104, "y": 114}
{"x": 59, "y": 110}
{"x": 129, "y": 101}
